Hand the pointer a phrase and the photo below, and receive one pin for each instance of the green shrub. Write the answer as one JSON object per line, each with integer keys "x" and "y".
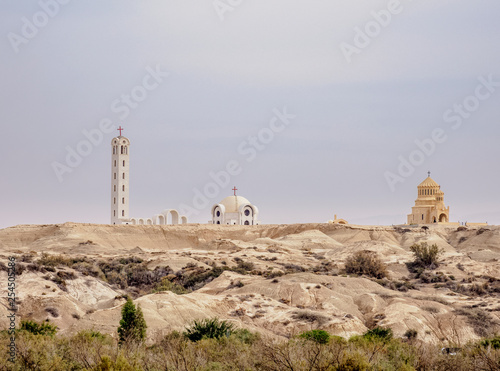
{"x": 425, "y": 256}
{"x": 319, "y": 336}
{"x": 246, "y": 336}
{"x": 166, "y": 285}
{"x": 44, "y": 328}
{"x": 132, "y": 325}
{"x": 209, "y": 328}
{"x": 366, "y": 262}
{"x": 494, "y": 343}
{"x": 378, "y": 334}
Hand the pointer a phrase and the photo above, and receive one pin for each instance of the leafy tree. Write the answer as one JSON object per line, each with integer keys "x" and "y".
{"x": 209, "y": 328}
{"x": 132, "y": 325}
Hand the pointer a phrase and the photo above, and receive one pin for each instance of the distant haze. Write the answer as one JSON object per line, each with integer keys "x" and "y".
{"x": 364, "y": 81}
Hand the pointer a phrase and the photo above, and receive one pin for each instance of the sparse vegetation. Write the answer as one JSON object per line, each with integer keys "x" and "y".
{"x": 411, "y": 334}
{"x": 243, "y": 350}
{"x": 366, "y": 263}
{"x": 425, "y": 256}
{"x": 484, "y": 324}
{"x": 53, "y": 312}
{"x": 309, "y": 316}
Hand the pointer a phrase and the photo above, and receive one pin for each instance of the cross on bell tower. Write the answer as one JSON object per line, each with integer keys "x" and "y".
{"x": 235, "y": 189}
{"x": 429, "y": 174}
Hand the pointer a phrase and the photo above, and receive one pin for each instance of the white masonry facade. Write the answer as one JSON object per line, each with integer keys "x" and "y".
{"x": 120, "y": 180}
{"x": 120, "y": 192}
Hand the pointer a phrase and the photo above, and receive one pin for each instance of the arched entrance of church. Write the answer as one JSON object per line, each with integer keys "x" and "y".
{"x": 443, "y": 218}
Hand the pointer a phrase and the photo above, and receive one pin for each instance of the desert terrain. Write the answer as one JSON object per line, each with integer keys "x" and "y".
{"x": 278, "y": 280}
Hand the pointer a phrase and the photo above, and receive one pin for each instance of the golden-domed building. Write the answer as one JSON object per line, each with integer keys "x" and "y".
{"x": 429, "y": 207}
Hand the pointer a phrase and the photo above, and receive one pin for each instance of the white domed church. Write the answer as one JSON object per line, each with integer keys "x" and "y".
{"x": 235, "y": 210}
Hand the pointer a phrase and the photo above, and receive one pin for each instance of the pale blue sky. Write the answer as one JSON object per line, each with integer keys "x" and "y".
{"x": 353, "y": 120}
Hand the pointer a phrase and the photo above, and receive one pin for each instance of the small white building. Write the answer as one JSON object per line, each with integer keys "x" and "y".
{"x": 235, "y": 210}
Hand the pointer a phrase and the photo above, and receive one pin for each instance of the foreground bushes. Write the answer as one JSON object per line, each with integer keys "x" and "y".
{"x": 317, "y": 350}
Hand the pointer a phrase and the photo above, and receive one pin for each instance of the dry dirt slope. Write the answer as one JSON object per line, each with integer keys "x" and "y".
{"x": 312, "y": 293}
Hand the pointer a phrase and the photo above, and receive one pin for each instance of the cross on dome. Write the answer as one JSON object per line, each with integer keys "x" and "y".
{"x": 235, "y": 189}
{"x": 120, "y": 129}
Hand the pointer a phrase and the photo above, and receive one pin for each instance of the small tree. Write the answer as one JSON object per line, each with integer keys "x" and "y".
{"x": 426, "y": 256}
{"x": 132, "y": 325}
{"x": 365, "y": 262}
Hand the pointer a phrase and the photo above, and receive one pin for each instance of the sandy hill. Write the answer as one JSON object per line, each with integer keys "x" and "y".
{"x": 277, "y": 279}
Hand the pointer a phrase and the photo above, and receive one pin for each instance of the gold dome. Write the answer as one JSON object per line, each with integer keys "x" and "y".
{"x": 429, "y": 182}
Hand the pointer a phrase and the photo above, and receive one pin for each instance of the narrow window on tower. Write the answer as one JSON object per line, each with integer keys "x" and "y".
{"x": 114, "y": 200}
{"x": 123, "y": 176}
{"x": 115, "y": 163}
{"x": 123, "y": 163}
{"x": 123, "y": 188}
{"x": 123, "y": 212}
{"x": 114, "y": 213}
{"x": 115, "y": 188}
{"x": 123, "y": 200}
{"x": 115, "y": 175}
{"x": 122, "y": 150}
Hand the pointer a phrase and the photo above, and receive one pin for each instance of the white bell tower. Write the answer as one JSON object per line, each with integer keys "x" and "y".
{"x": 120, "y": 175}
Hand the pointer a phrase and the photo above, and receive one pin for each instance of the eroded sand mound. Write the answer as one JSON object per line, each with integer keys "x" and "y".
{"x": 295, "y": 283}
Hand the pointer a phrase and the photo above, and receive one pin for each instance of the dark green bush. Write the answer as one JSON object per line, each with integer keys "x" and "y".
{"x": 379, "y": 334}
{"x": 44, "y": 328}
{"x": 494, "y": 343}
{"x": 209, "y": 328}
{"x": 319, "y": 336}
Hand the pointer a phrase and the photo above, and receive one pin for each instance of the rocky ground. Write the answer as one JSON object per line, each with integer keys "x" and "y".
{"x": 275, "y": 279}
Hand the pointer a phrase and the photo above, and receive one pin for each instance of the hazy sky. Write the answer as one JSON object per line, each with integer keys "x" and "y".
{"x": 363, "y": 80}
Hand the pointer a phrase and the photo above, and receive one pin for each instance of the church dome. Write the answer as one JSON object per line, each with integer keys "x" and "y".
{"x": 429, "y": 182}
{"x": 232, "y": 203}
